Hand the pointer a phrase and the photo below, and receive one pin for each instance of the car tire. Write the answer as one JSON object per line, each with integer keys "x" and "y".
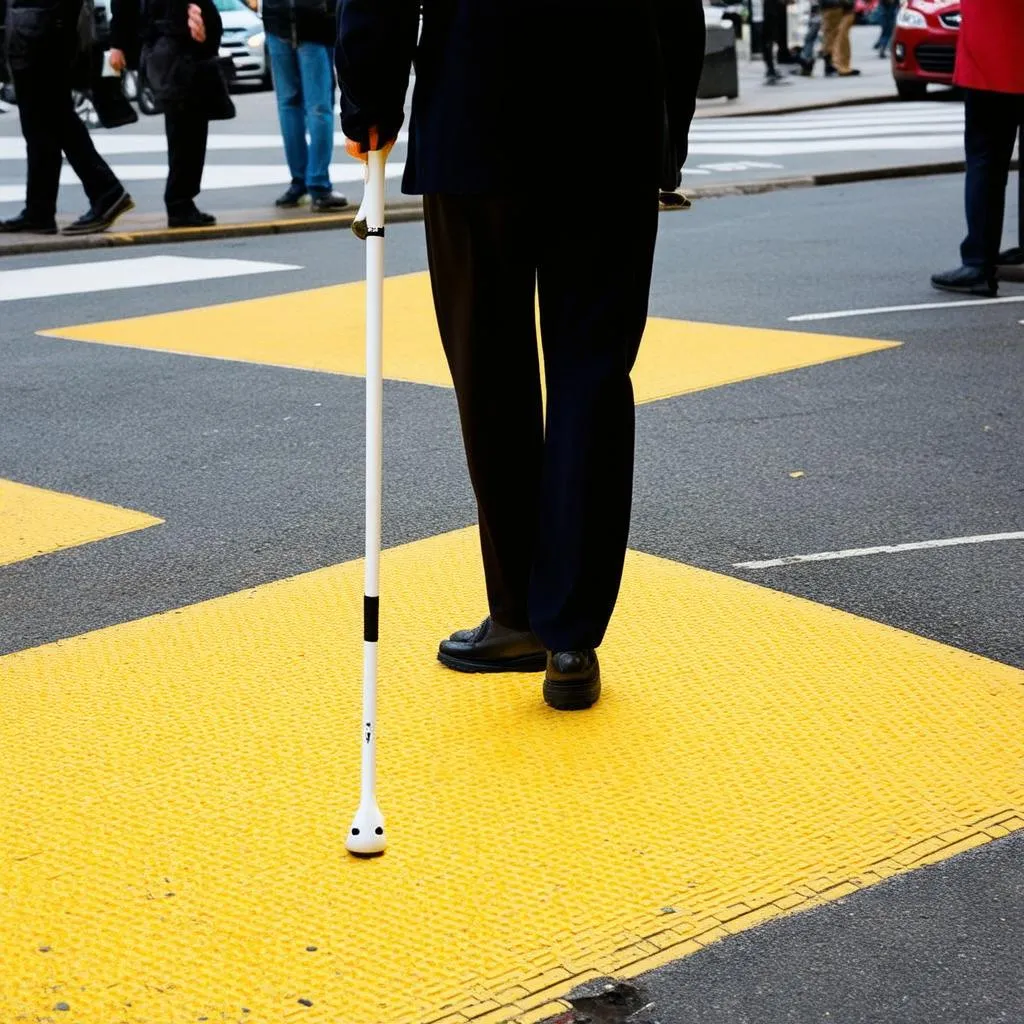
{"x": 912, "y": 90}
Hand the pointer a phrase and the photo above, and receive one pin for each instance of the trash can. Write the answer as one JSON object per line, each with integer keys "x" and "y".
{"x": 720, "y": 76}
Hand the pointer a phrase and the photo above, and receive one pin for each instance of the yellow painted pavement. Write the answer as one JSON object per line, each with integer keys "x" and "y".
{"x": 323, "y": 330}
{"x": 34, "y": 521}
{"x": 176, "y": 791}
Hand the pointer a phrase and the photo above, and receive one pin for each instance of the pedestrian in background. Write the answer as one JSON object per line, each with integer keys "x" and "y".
{"x": 806, "y": 59}
{"x": 773, "y": 34}
{"x": 990, "y": 70}
{"x": 837, "y": 18}
{"x": 887, "y": 11}
{"x": 300, "y": 40}
{"x": 503, "y": 118}
{"x": 175, "y": 44}
{"x": 48, "y": 43}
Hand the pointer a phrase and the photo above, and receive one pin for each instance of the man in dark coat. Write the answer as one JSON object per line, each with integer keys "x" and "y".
{"x": 511, "y": 101}
{"x": 177, "y": 42}
{"x": 43, "y": 44}
{"x": 300, "y": 42}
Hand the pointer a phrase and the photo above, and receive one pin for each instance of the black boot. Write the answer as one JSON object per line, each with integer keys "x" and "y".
{"x": 492, "y": 647}
{"x": 967, "y": 281}
{"x": 27, "y": 225}
{"x": 573, "y": 680}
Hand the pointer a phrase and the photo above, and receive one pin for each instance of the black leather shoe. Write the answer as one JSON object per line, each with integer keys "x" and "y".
{"x": 191, "y": 219}
{"x": 1011, "y": 257}
{"x": 966, "y": 281}
{"x": 328, "y": 202}
{"x": 96, "y": 221}
{"x": 291, "y": 198}
{"x": 24, "y": 224}
{"x": 573, "y": 680}
{"x": 492, "y": 647}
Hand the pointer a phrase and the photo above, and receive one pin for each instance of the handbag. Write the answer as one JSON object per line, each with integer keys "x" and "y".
{"x": 179, "y": 79}
{"x": 111, "y": 105}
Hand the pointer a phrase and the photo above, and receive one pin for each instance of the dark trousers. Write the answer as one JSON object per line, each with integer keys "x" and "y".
{"x": 773, "y": 32}
{"x": 554, "y": 500}
{"x": 51, "y": 127}
{"x": 187, "y": 132}
{"x": 992, "y": 122}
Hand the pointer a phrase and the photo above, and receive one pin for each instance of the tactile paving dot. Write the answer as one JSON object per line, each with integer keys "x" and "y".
{"x": 176, "y": 792}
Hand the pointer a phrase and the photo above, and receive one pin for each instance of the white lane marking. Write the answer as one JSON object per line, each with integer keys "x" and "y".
{"x": 218, "y": 176}
{"x": 109, "y": 275}
{"x": 885, "y": 549}
{"x": 874, "y": 144}
{"x": 798, "y": 134}
{"x": 121, "y": 145}
{"x": 959, "y": 304}
{"x": 782, "y": 123}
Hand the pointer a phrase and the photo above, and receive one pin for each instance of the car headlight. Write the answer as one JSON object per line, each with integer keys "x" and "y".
{"x": 908, "y": 18}
{"x": 255, "y": 41}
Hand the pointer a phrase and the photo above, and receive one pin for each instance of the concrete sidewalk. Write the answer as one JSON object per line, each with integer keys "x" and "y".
{"x": 873, "y": 85}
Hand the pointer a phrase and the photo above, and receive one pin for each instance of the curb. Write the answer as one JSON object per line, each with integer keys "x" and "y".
{"x": 398, "y": 213}
{"x": 406, "y": 211}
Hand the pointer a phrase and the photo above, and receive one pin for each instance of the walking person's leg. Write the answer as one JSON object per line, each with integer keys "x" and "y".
{"x": 841, "y": 49}
{"x": 187, "y": 134}
{"x": 831, "y": 18}
{"x": 38, "y": 106}
{"x": 317, "y": 74}
{"x": 483, "y": 276}
{"x": 108, "y": 199}
{"x": 284, "y": 66}
{"x": 593, "y": 288}
{"x": 769, "y": 33}
{"x": 989, "y": 132}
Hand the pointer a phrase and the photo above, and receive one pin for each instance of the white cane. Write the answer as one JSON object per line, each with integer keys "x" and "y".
{"x": 366, "y": 837}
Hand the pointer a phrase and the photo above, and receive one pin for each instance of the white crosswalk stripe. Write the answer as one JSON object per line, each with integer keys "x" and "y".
{"x": 911, "y": 126}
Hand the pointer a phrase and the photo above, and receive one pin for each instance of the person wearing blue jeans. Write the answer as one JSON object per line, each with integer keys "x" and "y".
{"x": 300, "y": 42}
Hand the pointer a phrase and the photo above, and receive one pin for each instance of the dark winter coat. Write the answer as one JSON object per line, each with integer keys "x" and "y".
{"x": 301, "y": 21}
{"x": 154, "y": 35}
{"x": 44, "y": 33}
{"x": 524, "y": 95}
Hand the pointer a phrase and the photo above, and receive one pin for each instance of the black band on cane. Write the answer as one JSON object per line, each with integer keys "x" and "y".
{"x": 371, "y": 618}
{"x": 374, "y": 232}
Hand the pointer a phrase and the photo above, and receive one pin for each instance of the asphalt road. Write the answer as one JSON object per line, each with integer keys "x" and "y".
{"x": 257, "y": 471}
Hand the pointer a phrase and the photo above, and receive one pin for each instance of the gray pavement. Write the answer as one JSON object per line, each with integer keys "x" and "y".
{"x": 257, "y": 471}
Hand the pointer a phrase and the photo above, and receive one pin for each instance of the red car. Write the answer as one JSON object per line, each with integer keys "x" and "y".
{"x": 924, "y": 45}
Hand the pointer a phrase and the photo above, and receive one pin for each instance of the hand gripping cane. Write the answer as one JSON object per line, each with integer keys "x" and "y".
{"x": 366, "y": 836}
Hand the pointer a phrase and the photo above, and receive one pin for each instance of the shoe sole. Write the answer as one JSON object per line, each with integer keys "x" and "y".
{"x": 120, "y": 208}
{"x": 524, "y": 663}
{"x": 572, "y": 695}
{"x": 978, "y": 292}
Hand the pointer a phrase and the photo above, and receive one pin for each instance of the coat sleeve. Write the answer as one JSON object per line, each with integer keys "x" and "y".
{"x": 681, "y": 32}
{"x": 126, "y": 29}
{"x": 376, "y": 44}
{"x": 214, "y": 27}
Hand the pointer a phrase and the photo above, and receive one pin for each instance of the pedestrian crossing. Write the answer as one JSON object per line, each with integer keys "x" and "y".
{"x": 910, "y": 126}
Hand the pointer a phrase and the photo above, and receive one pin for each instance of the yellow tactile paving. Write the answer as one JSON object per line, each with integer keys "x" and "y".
{"x": 323, "y": 330}
{"x": 175, "y": 792}
{"x": 34, "y": 521}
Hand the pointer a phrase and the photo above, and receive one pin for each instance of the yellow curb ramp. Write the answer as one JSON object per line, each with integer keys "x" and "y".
{"x": 176, "y": 792}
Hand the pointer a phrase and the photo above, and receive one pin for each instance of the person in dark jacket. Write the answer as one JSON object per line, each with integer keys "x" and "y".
{"x": 43, "y": 46}
{"x": 176, "y": 44}
{"x": 300, "y": 41}
{"x": 510, "y": 102}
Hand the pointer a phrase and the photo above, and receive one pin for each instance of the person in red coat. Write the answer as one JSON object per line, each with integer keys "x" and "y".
{"x": 990, "y": 70}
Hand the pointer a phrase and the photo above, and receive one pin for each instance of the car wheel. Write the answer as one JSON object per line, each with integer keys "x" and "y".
{"x": 912, "y": 90}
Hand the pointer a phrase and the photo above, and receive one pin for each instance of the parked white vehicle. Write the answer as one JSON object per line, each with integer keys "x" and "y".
{"x": 244, "y": 42}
